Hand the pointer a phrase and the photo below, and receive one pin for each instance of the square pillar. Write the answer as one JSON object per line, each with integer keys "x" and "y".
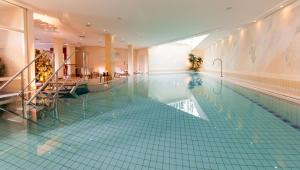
{"x": 72, "y": 61}
{"x": 29, "y": 43}
{"x": 146, "y": 62}
{"x": 58, "y": 45}
{"x": 109, "y": 54}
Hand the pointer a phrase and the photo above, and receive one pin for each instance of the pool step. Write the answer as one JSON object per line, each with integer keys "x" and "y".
{"x": 11, "y": 117}
{"x": 17, "y": 106}
{"x": 7, "y": 97}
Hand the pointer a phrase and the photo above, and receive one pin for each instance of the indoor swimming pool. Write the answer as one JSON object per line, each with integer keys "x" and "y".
{"x": 160, "y": 121}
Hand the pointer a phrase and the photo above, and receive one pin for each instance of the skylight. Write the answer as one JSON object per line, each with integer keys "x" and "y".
{"x": 194, "y": 41}
{"x": 45, "y": 18}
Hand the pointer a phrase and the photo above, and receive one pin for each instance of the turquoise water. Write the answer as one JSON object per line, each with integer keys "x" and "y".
{"x": 168, "y": 121}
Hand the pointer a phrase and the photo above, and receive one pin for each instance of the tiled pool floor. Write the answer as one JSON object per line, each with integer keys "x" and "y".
{"x": 143, "y": 133}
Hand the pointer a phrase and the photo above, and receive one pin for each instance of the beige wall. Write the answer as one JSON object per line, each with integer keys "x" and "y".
{"x": 121, "y": 59}
{"x": 96, "y": 58}
{"x": 269, "y": 47}
{"x": 198, "y": 52}
{"x": 169, "y": 57}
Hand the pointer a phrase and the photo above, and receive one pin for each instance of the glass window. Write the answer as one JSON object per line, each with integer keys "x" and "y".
{"x": 12, "y": 42}
{"x": 11, "y": 52}
{"x": 11, "y": 16}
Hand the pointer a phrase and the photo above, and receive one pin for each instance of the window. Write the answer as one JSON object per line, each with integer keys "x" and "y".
{"x": 12, "y": 41}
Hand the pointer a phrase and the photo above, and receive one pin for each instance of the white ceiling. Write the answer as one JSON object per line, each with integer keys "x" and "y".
{"x": 145, "y": 23}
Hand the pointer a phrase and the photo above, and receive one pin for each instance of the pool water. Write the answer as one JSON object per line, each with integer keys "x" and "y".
{"x": 164, "y": 121}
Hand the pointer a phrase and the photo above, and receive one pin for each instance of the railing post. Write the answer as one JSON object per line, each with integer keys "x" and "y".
{"x": 56, "y": 80}
{"x": 221, "y": 68}
{"x": 84, "y": 106}
{"x": 22, "y": 94}
{"x": 56, "y": 114}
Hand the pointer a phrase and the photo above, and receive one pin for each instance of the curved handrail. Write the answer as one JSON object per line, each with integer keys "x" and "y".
{"x": 50, "y": 78}
{"x": 21, "y": 71}
{"x": 219, "y": 59}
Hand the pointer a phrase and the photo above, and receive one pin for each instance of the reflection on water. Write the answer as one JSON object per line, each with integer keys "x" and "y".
{"x": 219, "y": 91}
{"x": 177, "y": 91}
{"x": 195, "y": 81}
{"x": 48, "y": 146}
{"x": 190, "y": 106}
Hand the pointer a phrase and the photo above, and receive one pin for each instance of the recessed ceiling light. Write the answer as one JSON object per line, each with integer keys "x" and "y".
{"x": 254, "y": 21}
{"x": 106, "y": 31}
{"x": 228, "y": 8}
{"x": 281, "y": 6}
{"x": 88, "y": 24}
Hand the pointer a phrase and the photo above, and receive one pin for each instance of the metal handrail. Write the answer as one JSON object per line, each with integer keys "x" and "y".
{"x": 219, "y": 59}
{"x": 21, "y": 71}
{"x": 33, "y": 80}
{"x": 50, "y": 78}
{"x": 59, "y": 88}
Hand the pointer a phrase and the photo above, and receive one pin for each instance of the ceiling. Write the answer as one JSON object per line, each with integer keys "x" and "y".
{"x": 145, "y": 23}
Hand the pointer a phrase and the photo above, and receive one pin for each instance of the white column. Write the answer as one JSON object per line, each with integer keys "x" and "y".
{"x": 136, "y": 61}
{"x": 59, "y": 56}
{"x": 109, "y": 54}
{"x": 29, "y": 44}
{"x": 72, "y": 61}
{"x": 146, "y": 62}
{"x": 130, "y": 60}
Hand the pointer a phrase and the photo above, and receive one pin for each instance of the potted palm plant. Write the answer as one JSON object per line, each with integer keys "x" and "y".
{"x": 195, "y": 61}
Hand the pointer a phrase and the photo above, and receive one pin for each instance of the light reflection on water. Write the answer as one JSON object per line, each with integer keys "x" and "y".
{"x": 190, "y": 106}
{"x": 178, "y": 95}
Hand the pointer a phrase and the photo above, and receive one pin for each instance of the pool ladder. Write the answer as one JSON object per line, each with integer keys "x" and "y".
{"x": 221, "y": 61}
{"x": 28, "y": 97}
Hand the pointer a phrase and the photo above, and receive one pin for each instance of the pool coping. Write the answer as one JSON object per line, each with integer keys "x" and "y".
{"x": 267, "y": 91}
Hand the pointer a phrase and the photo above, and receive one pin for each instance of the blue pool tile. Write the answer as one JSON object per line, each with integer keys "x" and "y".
{"x": 120, "y": 131}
